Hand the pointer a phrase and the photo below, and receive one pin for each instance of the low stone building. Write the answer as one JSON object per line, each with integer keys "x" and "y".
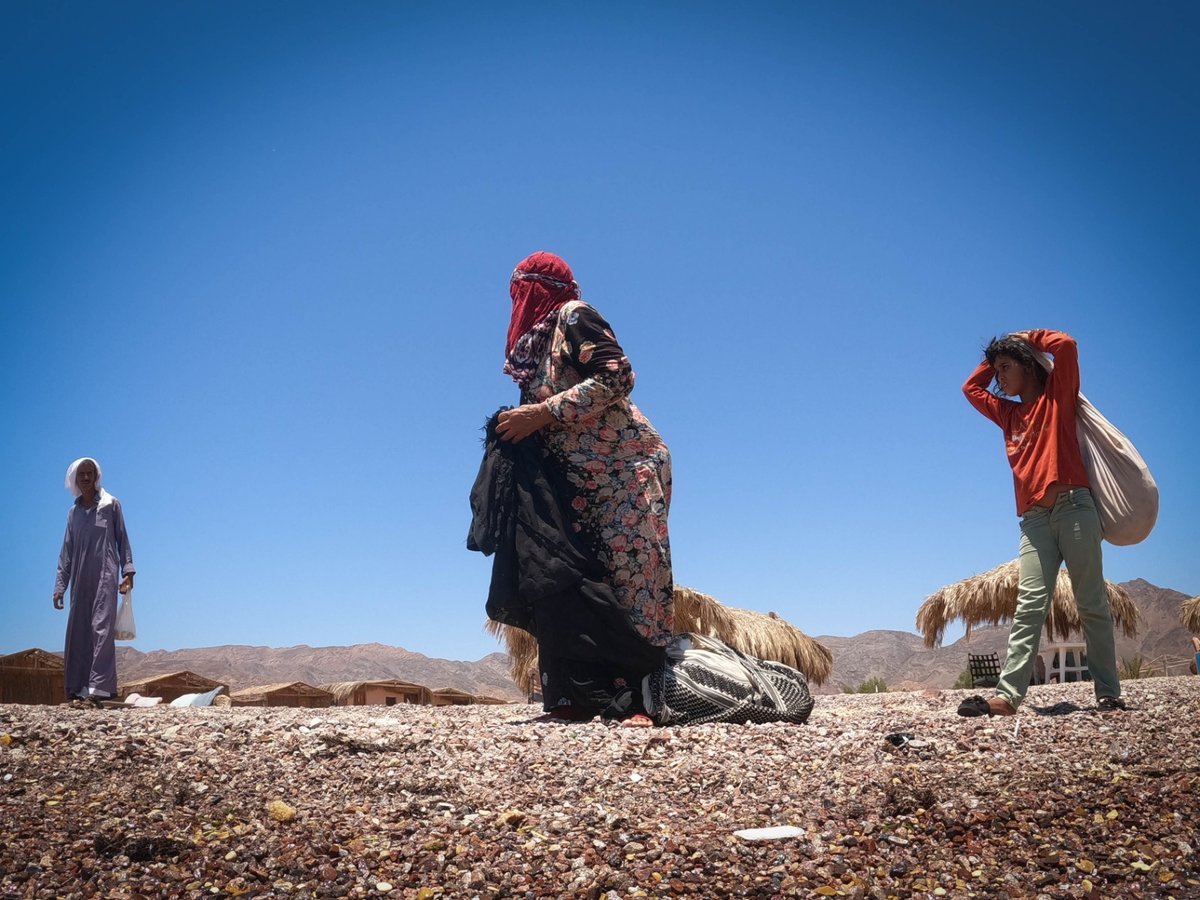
{"x": 453, "y": 697}
{"x": 383, "y": 692}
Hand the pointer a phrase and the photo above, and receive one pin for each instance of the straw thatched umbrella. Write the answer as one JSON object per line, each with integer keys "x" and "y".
{"x": 1190, "y": 615}
{"x": 991, "y": 598}
{"x": 763, "y": 635}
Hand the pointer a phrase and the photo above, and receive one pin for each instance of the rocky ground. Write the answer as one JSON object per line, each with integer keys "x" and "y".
{"x": 1060, "y": 801}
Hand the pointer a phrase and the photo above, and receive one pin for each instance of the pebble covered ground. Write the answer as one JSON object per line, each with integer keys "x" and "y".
{"x": 417, "y": 801}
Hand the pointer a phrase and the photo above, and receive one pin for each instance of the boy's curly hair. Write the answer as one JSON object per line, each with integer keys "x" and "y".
{"x": 1017, "y": 349}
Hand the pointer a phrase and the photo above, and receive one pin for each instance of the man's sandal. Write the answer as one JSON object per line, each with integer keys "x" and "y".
{"x": 976, "y": 706}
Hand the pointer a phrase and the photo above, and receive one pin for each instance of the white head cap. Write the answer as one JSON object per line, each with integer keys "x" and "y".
{"x": 69, "y": 484}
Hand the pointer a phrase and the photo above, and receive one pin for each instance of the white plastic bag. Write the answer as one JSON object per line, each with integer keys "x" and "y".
{"x": 126, "y": 630}
{"x": 205, "y": 699}
{"x": 1122, "y": 486}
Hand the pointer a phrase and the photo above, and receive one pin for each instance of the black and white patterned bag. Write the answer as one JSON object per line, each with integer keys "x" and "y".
{"x": 703, "y": 680}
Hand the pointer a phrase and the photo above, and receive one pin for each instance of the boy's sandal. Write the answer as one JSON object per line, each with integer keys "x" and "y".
{"x": 974, "y": 706}
{"x": 977, "y": 706}
{"x": 1110, "y": 704}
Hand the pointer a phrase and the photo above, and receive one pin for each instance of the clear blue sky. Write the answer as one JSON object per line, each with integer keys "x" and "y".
{"x": 255, "y": 260}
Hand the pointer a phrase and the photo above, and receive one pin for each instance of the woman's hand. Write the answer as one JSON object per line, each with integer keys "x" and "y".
{"x": 126, "y": 584}
{"x": 58, "y": 601}
{"x": 517, "y": 424}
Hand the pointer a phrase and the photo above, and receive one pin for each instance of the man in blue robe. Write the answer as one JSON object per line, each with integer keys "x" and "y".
{"x": 95, "y": 562}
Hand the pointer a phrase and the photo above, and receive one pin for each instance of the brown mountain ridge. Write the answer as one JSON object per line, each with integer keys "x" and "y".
{"x": 243, "y": 666}
{"x": 900, "y": 658}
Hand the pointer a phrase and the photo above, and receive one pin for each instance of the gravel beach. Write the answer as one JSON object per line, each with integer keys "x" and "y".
{"x": 418, "y": 801}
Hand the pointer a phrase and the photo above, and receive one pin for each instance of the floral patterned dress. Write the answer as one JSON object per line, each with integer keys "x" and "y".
{"x": 615, "y": 461}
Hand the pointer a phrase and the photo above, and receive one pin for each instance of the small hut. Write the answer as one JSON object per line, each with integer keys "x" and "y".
{"x": 287, "y": 693}
{"x": 32, "y": 676}
{"x": 1190, "y": 615}
{"x": 384, "y": 692}
{"x": 762, "y": 635}
{"x": 170, "y": 686}
{"x": 453, "y": 697}
{"x": 490, "y": 701}
{"x": 991, "y": 598}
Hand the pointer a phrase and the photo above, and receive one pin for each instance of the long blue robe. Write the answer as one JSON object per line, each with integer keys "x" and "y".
{"x": 95, "y": 555}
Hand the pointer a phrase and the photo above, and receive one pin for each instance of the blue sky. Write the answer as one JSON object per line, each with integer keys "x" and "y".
{"x": 256, "y": 262}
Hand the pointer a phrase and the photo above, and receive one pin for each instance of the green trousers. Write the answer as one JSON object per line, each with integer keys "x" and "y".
{"x": 1067, "y": 532}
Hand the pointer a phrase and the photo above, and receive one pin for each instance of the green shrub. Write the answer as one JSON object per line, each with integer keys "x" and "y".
{"x": 872, "y": 685}
{"x": 1132, "y": 669}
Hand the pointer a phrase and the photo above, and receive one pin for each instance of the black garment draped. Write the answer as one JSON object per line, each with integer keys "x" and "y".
{"x": 546, "y": 581}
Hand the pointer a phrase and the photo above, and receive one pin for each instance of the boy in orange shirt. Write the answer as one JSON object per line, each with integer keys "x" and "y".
{"x": 1058, "y": 516}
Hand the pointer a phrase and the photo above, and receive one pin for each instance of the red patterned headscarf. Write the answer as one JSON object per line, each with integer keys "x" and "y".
{"x": 540, "y": 285}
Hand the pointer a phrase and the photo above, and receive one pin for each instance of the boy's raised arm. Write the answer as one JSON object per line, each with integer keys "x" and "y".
{"x": 978, "y": 395}
{"x": 1065, "y": 351}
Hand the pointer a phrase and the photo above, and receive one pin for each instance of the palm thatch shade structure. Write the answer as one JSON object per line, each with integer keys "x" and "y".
{"x": 32, "y": 676}
{"x": 1190, "y": 615}
{"x": 991, "y": 598}
{"x": 287, "y": 693}
{"x": 763, "y": 635}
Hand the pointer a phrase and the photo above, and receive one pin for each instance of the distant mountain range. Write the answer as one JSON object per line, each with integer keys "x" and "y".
{"x": 241, "y": 666}
{"x": 900, "y": 658}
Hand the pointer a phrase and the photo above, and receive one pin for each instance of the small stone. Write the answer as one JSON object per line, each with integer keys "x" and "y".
{"x": 280, "y": 811}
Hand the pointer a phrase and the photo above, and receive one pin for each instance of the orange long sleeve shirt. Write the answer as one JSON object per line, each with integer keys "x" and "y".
{"x": 1039, "y": 437}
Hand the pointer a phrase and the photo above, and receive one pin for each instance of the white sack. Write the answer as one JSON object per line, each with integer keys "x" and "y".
{"x": 1122, "y": 486}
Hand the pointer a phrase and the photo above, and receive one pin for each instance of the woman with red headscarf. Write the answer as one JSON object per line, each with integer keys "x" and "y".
{"x": 575, "y": 383}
